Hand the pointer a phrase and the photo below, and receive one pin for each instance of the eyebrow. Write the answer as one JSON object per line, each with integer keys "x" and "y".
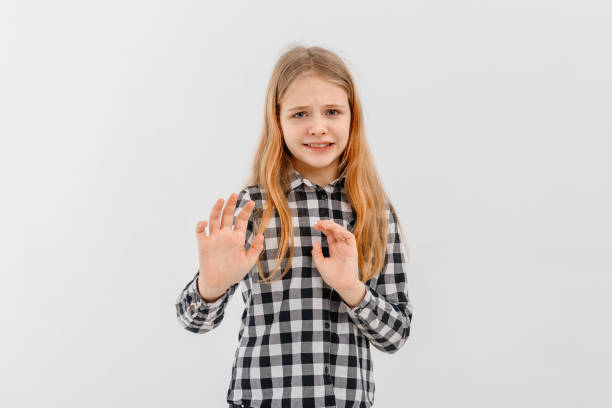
{"x": 332, "y": 105}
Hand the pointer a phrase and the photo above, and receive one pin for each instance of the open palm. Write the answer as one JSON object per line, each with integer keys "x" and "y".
{"x": 223, "y": 260}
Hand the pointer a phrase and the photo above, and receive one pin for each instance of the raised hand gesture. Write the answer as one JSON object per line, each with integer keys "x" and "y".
{"x": 223, "y": 260}
{"x": 341, "y": 269}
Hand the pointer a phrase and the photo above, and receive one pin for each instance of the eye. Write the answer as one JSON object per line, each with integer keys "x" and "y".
{"x": 329, "y": 110}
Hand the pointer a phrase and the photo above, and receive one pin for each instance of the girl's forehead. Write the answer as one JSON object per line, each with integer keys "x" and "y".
{"x": 313, "y": 84}
{"x": 304, "y": 92}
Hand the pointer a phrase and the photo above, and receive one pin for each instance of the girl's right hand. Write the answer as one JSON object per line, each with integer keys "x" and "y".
{"x": 223, "y": 260}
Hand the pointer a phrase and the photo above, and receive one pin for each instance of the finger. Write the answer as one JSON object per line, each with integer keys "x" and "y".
{"x": 317, "y": 254}
{"x": 255, "y": 249}
{"x": 227, "y": 220}
{"x": 331, "y": 238}
{"x": 201, "y": 229}
{"x": 242, "y": 220}
{"x": 331, "y": 235}
{"x": 214, "y": 216}
{"x": 326, "y": 231}
{"x": 341, "y": 233}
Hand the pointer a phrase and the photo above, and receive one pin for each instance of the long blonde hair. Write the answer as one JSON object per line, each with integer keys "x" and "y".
{"x": 272, "y": 167}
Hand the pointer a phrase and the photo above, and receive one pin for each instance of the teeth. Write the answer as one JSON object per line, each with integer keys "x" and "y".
{"x": 319, "y": 145}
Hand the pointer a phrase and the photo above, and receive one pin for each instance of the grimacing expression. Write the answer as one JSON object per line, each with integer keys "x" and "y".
{"x": 314, "y": 110}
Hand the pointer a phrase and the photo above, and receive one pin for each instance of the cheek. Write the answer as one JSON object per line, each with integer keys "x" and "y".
{"x": 290, "y": 139}
{"x": 342, "y": 131}
{"x": 291, "y": 134}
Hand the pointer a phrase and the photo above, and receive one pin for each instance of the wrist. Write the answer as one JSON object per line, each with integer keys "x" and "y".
{"x": 353, "y": 296}
{"x": 209, "y": 293}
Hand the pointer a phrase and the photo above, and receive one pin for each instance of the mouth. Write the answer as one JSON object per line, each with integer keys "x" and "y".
{"x": 318, "y": 147}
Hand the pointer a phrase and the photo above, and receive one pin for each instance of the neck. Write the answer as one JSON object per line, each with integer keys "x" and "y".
{"x": 320, "y": 176}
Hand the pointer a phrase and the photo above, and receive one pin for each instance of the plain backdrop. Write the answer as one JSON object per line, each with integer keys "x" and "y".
{"x": 121, "y": 123}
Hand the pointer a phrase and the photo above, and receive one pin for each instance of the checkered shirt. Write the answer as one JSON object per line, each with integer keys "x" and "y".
{"x": 300, "y": 344}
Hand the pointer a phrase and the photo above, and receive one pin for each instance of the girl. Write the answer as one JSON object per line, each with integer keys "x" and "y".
{"x": 314, "y": 194}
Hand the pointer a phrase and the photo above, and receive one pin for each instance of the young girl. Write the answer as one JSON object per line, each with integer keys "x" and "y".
{"x": 323, "y": 269}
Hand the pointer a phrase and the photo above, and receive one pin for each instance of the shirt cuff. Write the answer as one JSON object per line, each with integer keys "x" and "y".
{"x": 199, "y": 303}
{"x": 362, "y": 305}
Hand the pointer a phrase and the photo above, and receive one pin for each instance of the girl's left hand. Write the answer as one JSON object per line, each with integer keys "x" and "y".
{"x": 341, "y": 269}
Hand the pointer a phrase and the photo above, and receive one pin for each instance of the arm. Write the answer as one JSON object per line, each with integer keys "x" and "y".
{"x": 384, "y": 314}
{"x": 197, "y": 315}
{"x": 200, "y": 310}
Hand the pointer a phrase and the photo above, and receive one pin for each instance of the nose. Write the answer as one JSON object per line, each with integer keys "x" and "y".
{"x": 318, "y": 127}
{"x": 317, "y": 131}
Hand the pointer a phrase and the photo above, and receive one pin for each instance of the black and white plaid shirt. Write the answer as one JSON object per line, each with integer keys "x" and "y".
{"x": 300, "y": 344}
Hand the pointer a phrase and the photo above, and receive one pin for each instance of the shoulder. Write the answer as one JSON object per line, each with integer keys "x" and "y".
{"x": 392, "y": 217}
{"x": 252, "y": 192}
{"x": 389, "y": 211}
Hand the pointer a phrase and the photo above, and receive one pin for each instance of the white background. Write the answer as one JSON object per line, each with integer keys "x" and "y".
{"x": 123, "y": 121}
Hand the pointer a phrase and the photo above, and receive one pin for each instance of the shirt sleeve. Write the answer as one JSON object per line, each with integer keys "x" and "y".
{"x": 197, "y": 315}
{"x": 385, "y": 313}
{"x": 192, "y": 311}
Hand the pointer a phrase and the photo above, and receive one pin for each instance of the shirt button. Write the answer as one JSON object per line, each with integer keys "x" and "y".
{"x": 327, "y": 325}
{"x": 326, "y": 370}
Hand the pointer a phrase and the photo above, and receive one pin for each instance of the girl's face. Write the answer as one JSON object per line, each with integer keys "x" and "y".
{"x": 314, "y": 110}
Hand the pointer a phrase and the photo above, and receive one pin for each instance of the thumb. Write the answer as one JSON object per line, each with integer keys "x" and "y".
{"x": 317, "y": 253}
{"x": 255, "y": 249}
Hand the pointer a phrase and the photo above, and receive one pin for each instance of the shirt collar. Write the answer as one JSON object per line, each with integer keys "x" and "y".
{"x": 297, "y": 179}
